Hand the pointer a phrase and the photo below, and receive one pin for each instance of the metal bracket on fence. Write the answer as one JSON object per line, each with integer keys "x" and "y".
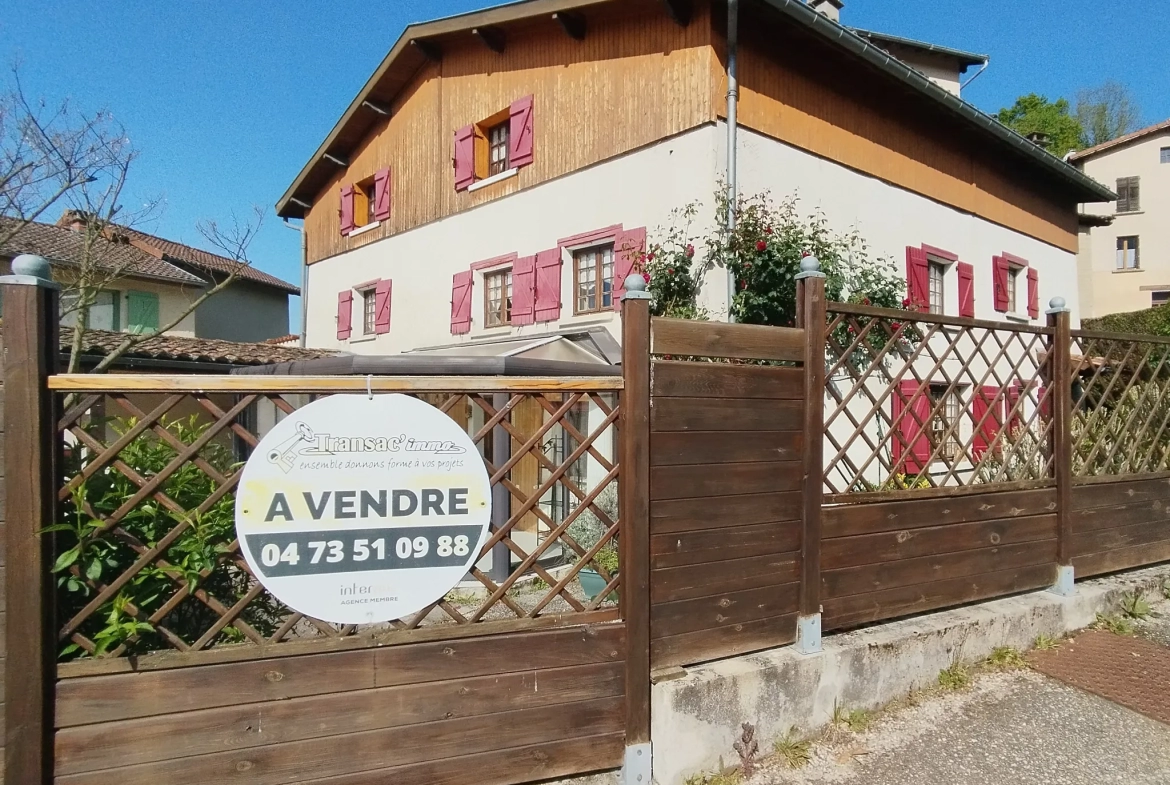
{"x": 1064, "y": 585}
{"x": 808, "y": 634}
{"x": 636, "y": 769}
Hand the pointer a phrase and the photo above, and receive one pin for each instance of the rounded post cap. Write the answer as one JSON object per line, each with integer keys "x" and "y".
{"x": 810, "y": 264}
{"x": 635, "y": 282}
{"x": 33, "y": 266}
{"x": 1057, "y": 304}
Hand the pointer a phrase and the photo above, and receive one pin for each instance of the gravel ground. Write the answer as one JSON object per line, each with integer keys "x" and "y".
{"x": 1017, "y": 727}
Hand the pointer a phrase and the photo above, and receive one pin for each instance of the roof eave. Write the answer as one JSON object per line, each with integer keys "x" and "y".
{"x": 965, "y": 58}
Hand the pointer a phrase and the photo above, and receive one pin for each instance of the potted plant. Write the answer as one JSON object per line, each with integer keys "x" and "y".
{"x": 587, "y": 530}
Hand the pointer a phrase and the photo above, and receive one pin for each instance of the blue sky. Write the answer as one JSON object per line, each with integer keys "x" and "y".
{"x": 226, "y": 100}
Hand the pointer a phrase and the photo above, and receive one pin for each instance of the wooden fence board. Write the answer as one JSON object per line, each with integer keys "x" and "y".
{"x": 1111, "y": 494}
{"x": 683, "y": 448}
{"x": 682, "y": 515}
{"x": 713, "y": 545}
{"x": 704, "y": 645}
{"x": 688, "y": 482}
{"x": 328, "y": 756}
{"x": 863, "y": 608}
{"x": 125, "y": 696}
{"x": 704, "y": 580}
{"x": 935, "y": 567}
{"x": 854, "y": 519}
{"x": 722, "y": 610}
{"x": 166, "y": 737}
{"x": 1121, "y": 537}
{"x": 1097, "y": 518}
{"x": 720, "y": 380}
{"x": 1121, "y": 558}
{"x": 725, "y": 414}
{"x": 720, "y": 339}
{"x": 907, "y": 544}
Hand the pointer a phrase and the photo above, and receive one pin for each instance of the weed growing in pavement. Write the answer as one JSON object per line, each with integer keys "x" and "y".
{"x": 858, "y": 720}
{"x": 726, "y": 777}
{"x": 1005, "y": 658}
{"x": 1045, "y": 643}
{"x": 956, "y": 677}
{"x": 1134, "y": 605}
{"x": 1166, "y": 588}
{"x": 793, "y": 751}
{"x": 1118, "y": 625}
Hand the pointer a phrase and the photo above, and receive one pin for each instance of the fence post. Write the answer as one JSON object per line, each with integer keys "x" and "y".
{"x": 810, "y": 314}
{"x": 1060, "y": 383}
{"x": 30, "y": 356}
{"x": 634, "y": 485}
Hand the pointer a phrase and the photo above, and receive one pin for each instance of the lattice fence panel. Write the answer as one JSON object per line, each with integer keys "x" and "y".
{"x": 915, "y": 402}
{"x": 1121, "y": 405}
{"x": 147, "y": 557}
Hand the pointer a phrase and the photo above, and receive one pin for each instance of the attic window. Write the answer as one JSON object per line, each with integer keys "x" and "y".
{"x": 497, "y": 138}
{"x": 495, "y": 145}
{"x": 365, "y": 202}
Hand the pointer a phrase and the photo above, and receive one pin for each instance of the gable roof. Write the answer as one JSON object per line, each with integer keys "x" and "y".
{"x": 63, "y": 246}
{"x": 409, "y": 53}
{"x": 1121, "y": 140}
{"x": 203, "y": 261}
{"x": 203, "y": 350}
{"x": 964, "y": 58}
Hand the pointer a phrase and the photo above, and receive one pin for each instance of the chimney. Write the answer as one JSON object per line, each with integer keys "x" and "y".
{"x": 830, "y": 8}
{"x": 74, "y": 220}
{"x": 1039, "y": 138}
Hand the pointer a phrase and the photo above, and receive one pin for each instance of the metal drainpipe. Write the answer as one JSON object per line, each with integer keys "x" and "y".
{"x": 304, "y": 278}
{"x": 732, "y": 130}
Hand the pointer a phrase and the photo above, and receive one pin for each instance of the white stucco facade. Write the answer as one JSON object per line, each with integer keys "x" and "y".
{"x": 642, "y": 189}
{"x": 1107, "y": 287}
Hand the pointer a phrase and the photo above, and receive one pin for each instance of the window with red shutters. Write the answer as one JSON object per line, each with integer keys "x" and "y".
{"x": 548, "y": 285}
{"x": 986, "y": 419}
{"x": 461, "y": 302}
{"x": 344, "y": 314}
{"x": 495, "y": 145}
{"x": 1000, "y": 278}
{"x": 347, "y": 208}
{"x": 917, "y": 280}
{"x": 524, "y": 290}
{"x": 381, "y": 209}
{"x": 966, "y": 275}
{"x": 628, "y": 247}
{"x": 910, "y": 444}
{"x": 1033, "y": 293}
{"x": 382, "y": 294}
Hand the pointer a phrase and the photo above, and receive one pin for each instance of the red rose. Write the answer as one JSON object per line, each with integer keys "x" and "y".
{"x": 646, "y": 276}
{"x": 650, "y": 257}
{"x": 896, "y": 325}
{"x": 743, "y": 284}
{"x": 761, "y": 245}
{"x": 803, "y": 254}
{"x": 906, "y": 302}
{"x": 690, "y": 251}
{"x": 670, "y": 271}
{"x": 747, "y": 265}
{"x": 865, "y": 301}
{"x": 767, "y": 230}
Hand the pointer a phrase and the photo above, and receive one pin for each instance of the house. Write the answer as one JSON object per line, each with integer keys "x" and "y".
{"x": 148, "y": 282}
{"x": 1124, "y": 259}
{"x": 489, "y": 178}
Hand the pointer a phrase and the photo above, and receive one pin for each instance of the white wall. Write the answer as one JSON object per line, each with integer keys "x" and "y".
{"x": 1116, "y": 291}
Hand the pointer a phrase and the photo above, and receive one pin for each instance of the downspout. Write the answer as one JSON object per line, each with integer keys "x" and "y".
{"x": 304, "y": 278}
{"x": 732, "y": 131}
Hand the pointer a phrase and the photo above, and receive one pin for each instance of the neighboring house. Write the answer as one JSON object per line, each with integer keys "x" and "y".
{"x": 1125, "y": 259}
{"x": 489, "y": 186}
{"x": 155, "y": 281}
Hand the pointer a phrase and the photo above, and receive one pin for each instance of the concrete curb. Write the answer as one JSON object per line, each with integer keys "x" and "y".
{"x": 696, "y": 718}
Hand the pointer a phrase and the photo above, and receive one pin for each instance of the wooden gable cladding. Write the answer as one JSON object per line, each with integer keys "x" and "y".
{"x": 819, "y": 99}
{"x": 637, "y": 77}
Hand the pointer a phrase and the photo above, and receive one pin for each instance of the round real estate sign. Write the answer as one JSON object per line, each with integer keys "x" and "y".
{"x": 359, "y": 509}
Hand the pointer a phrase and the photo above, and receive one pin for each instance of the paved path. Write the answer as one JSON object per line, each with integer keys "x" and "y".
{"x": 1017, "y": 727}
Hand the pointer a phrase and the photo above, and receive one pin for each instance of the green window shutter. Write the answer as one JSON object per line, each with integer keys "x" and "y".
{"x": 141, "y": 312}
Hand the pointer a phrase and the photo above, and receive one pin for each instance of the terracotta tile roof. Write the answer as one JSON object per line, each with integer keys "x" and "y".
{"x": 292, "y": 339}
{"x": 205, "y": 261}
{"x": 64, "y": 246}
{"x": 1121, "y": 140}
{"x": 174, "y": 347}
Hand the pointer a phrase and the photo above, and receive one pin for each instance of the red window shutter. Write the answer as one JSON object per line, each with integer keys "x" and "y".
{"x": 1000, "y": 272}
{"x": 524, "y": 290}
{"x": 1044, "y": 402}
{"x": 461, "y": 302}
{"x": 911, "y": 445}
{"x": 966, "y": 274}
{"x": 917, "y": 280}
{"x": 344, "y": 314}
{"x": 1015, "y": 418}
{"x": 382, "y": 195}
{"x": 1033, "y": 293}
{"x": 548, "y": 285}
{"x": 382, "y": 306}
{"x": 346, "y": 209}
{"x": 520, "y": 132}
{"x": 464, "y": 157}
{"x": 987, "y": 419}
{"x": 628, "y": 247}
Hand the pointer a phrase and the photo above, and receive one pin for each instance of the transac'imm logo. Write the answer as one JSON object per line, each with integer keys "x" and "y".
{"x": 285, "y": 453}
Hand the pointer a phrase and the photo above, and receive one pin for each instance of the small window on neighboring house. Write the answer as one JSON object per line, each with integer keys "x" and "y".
{"x": 1165, "y": 155}
{"x": 497, "y": 298}
{"x": 104, "y": 313}
{"x": 593, "y": 279}
{"x": 937, "y": 277}
{"x": 946, "y": 401}
{"x": 1159, "y": 298}
{"x": 369, "y": 311}
{"x": 1128, "y": 257}
{"x": 1128, "y": 197}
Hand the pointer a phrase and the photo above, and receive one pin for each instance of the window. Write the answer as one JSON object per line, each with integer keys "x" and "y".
{"x": 593, "y": 279}
{"x": 1159, "y": 298}
{"x": 948, "y": 407}
{"x": 369, "y": 310}
{"x": 104, "y": 311}
{"x": 498, "y": 298}
{"x": 1013, "y": 288}
{"x": 1165, "y": 155}
{"x": 937, "y": 276}
{"x": 141, "y": 312}
{"x": 1128, "y": 257}
{"x": 498, "y": 149}
{"x": 1127, "y": 195}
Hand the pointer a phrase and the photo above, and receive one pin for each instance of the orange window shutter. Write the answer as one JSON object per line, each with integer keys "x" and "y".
{"x": 481, "y": 154}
